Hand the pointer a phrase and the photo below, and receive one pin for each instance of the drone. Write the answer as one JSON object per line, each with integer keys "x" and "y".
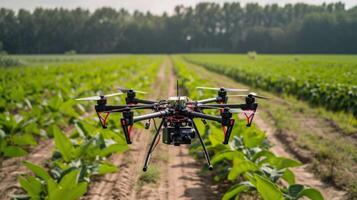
{"x": 177, "y": 115}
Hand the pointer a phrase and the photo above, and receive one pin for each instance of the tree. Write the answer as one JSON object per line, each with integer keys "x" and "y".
{"x": 293, "y": 28}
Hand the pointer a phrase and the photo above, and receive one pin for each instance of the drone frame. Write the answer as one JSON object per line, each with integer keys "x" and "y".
{"x": 195, "y": 110}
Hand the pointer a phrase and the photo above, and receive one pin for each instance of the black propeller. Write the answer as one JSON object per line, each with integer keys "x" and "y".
{"x": 124, "y": 90}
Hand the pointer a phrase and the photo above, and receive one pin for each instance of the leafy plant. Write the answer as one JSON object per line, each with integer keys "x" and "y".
{"x": 246, "y": 162}
{"x": 82, "y": 154}
{"x": 308, "y": 79}
{"x": 42, "y": 185}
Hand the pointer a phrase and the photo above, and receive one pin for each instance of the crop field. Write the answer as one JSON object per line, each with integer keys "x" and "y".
{"x": 328, "y": 81}
{"x": 302, "y": 145}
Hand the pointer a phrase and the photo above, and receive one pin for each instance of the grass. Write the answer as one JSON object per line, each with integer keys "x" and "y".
{"x": 151, "y": 176}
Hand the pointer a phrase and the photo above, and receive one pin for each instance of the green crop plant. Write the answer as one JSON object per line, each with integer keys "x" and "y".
{"x": 246, "y": 162}
{"x": 34, "y": 98}
{"x": 329, "y": 81}
{"x": 83, "y": 153}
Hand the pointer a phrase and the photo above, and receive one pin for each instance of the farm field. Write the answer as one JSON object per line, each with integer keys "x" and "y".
{"x": 309, "y": 121}
{"x": 325, "y": 139}
{"x": 38, "y": 104}
{"x": 328, "y": 81}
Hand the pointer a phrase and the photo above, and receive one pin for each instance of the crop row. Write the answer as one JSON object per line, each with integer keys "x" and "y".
{"x": 327, "y": 81}
{"x": 246, "y": 162}
{"x": 82, "y": 153}
{"x": 34, "y": 98}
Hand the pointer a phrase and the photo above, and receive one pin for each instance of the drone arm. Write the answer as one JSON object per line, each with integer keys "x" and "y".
{"x": 143, "y": 101}
{"x": 105, "y": 108}
{"x": 121, "y": 108}
{"x": 205, "y": 116}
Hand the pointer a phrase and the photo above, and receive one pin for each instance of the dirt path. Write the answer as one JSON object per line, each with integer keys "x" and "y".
{"x": 181, "y": 180}
{"x": 303, "y": 176}
{"x": 179, "y": 177}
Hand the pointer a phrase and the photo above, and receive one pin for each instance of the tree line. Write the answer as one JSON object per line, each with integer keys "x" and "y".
{"x": 206, "y": 27}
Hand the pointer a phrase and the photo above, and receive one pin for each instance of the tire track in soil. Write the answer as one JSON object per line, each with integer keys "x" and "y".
{"x": 302, "y": 175}
{"x": 158, "y": 159}
{"x": 180, "y": 178}
{"x": 13, "y": 167}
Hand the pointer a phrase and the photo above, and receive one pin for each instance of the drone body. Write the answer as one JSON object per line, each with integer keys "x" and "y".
{"x": 177, "y": 116}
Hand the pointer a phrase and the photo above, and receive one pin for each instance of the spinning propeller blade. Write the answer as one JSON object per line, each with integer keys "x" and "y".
{"x": 231, "y": 110}
{"x": 222, "y": 88}
{"x": 96, "y": 98}
{"x": 252, "y": 94}
{"x": 124, "y": 90}
{"x": 242, "y": 111}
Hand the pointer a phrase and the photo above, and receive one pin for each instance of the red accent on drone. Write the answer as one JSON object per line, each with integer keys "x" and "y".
{"x": 249, "y": 117}
{"x": 103, "y": 119}
{"x": 129, "y": 130}
{"x": 224, "y": 128}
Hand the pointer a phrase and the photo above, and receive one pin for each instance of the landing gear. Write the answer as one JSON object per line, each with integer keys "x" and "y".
{"x": 148, "y": 155}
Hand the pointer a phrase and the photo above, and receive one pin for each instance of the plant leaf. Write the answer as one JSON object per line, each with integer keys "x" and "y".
{"x": 13, "y": 151}
{"x": 234, "y": 191}
{"x": 69, "y": 180}
{"x": 289, "y": 176}
{"x": 38, "y": 170}
{"x": 295, "y": 189}
{"x": 311, "y": 193}
{"x": 264, "y": 153}
{"x": 282, "y": 163}
{"x": 78, "y": 191}
{"x": 267, "y": 190}
{"x": 32, "y": 186}
{"x": 23, "y": 139}
{"x": 229, "y": 155}
{"x": 239, "y": 167}
{"x": 63, "y": 144}
{"x": 253, "y": 138}
{"x": 107, "y": 168}
{"x": 115, "y": 148}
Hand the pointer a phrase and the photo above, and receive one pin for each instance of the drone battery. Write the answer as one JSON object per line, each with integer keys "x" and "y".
{"x": 177, "y": 136}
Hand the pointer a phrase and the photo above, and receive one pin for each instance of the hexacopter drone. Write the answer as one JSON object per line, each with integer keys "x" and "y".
{"x": 176, "y": 114}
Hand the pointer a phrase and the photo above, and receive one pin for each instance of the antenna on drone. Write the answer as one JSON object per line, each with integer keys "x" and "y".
{"x": 177, "y": 87}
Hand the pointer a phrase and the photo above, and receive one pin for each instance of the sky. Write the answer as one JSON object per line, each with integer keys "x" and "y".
{"x": 154, "y": 6}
